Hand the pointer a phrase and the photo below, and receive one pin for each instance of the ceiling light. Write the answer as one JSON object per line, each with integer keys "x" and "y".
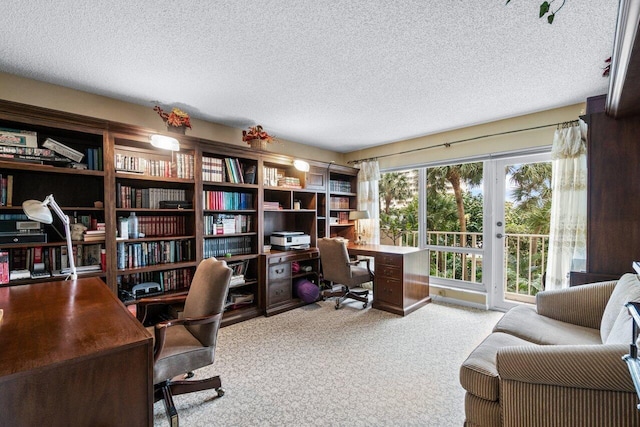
{"x": 165, "y": 142}
{"x": 301, "y": 165}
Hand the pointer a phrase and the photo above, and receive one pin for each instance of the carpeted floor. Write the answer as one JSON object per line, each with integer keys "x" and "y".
{"x": 317, "y": 366}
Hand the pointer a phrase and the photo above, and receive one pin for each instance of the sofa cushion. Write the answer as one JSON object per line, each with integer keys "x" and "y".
{"x": 621, "y": 329}
{"x": 627, "y": 289}
{"x": 479, "y": 373}
{"x": 524, "y": 322}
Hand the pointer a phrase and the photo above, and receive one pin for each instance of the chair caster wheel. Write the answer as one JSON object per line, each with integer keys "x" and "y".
{"x": 220, "y": 392}
{"x": 337, "y": 306}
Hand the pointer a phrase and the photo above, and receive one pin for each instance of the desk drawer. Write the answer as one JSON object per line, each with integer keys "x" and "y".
{"x": 279, "y": 271}
{"x": 388, "y": 290}
{"x": 389, "y": 259}
{"x": 389, "y": 271}
{"x": 279, "y": 291}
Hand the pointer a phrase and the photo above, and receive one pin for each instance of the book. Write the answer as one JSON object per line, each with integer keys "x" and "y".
{"x": 63, "y": 150}
{"x": 17, "y": 137}
{"x": 4, "y": 267}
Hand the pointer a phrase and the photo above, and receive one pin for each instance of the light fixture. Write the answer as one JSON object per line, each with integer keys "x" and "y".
{"x": 301, "y": 165}
{"x": 39, "y": 211}
{"x": 165, "y": 142}
{"x": 357, "y": 216}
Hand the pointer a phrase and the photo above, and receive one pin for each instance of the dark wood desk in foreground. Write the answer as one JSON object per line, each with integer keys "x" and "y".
{"x": 72, "y": 355}
{"x": 401, "y": 283}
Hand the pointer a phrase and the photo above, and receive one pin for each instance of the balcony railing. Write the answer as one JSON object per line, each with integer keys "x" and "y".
{"x": 458, "y": 256}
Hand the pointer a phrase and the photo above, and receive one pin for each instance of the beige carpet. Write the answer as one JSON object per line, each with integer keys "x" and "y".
{"x": 317, "y": 366}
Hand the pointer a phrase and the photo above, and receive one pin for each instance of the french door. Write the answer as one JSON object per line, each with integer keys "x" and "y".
{"x": 516, "y": 228}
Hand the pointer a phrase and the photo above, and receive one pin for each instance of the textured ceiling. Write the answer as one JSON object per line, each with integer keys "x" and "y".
{"x": 342, "y": 75}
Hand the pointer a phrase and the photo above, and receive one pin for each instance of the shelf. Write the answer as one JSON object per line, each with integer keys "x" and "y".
{"x": 158, "y": 267}
{"x": 34, "y": 167}
{"x": 229, "y": 185}
{"x": 154, "y": 239}
{"x": 217, "y": 236}
{"x": 142, "y": 177}
{"x": 151, "y": 210}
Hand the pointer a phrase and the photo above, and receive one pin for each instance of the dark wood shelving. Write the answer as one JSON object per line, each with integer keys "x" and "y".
{"x": 76, "y": 190}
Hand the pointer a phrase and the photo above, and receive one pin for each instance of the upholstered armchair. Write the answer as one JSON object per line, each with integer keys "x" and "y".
{"x": 188, "y": 343}
{"x": 342, "y": 273}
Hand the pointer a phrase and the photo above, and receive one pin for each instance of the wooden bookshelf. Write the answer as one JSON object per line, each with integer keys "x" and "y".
{"x": 129, "y": 174}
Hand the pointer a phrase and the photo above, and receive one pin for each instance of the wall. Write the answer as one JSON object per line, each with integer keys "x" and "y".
{"x": 483, "y": 146}
{"x": 32, "y": 92}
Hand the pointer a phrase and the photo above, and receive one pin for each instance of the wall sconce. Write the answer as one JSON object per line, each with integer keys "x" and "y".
{"x": 165, "y": 142}
{"x": 39, "y": 211}
{"x": 357, "y": 216}
{"x": 301, "y": 165}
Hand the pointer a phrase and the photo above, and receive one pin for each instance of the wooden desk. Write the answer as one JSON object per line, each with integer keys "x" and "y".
{"x": 72, "y": 355}
{"x": 401, "y": 283}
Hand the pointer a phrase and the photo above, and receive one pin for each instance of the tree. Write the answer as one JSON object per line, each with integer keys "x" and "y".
{"x": 469, "y": 174}
{"x": 393, "y": 186}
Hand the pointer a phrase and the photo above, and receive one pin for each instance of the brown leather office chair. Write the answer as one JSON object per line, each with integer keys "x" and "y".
{"x": 342, "y": 272}
{"x": 185, "y": 344}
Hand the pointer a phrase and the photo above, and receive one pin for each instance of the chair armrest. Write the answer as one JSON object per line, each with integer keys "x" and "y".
{"x": 160, "y": 329}
{"x": 143, "y": 303}
{"x": 596, "y": 367}
{"x": 579, "y": 305}
{"x": 367, "y": 261}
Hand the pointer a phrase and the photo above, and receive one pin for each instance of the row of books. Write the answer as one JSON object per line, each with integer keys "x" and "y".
{"x": 142, "y": 254}
{"x": 6, "y": 190}
{"x": 272, "y": 175}
{"x": 180, "y": 167}
{"x": 229, "y": 169}
{"x": 343, "y": 217}
{"x": 339, "y": 202}
{"x": 162, "y": 226}
{"x": 131, "y": 197}
{"x": 32, "y": 154}
{"x": 227, "y": 200}
{"x": 227, "y": 224}
{"x": 53, "y": 257}
{"x": 238, "y": 245}
{"x": 169, "y": 280}
{"x": 94, "y": 159}
{"x": 340, "y": 186}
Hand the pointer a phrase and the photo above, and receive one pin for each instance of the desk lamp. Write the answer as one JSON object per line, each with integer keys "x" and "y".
{"x": 39, "y": 211}
{"x": 357, "y": 216}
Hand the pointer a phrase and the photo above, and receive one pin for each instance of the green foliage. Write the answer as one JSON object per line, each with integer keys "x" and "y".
{"x": 545, "y": 8}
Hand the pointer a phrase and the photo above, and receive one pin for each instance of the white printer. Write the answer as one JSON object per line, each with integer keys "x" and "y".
{"x": 285, "y": 240}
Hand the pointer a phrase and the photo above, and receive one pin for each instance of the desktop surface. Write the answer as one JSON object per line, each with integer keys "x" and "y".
{"x": 72, "y": 355}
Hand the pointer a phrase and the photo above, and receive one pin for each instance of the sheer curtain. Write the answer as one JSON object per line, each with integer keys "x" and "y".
{"x": 568, "y": 234}
{"x": 368, "y": 196}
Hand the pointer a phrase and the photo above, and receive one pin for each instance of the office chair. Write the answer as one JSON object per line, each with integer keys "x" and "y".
{"x": 188, "y": 343}
{"x": 342, "y": 272}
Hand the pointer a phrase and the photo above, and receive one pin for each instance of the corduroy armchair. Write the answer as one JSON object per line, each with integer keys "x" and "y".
{"x": 558, "y": 363}
{"x": 188, "y": 343}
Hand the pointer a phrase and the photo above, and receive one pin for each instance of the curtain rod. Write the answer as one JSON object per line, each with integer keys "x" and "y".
{"x": 449, "y": 144}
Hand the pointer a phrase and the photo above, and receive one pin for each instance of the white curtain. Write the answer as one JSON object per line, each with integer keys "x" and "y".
{"x": 568, "y": 234}
{"x": 368, "y": 195}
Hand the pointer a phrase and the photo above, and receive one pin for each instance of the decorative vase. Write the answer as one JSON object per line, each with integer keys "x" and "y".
{"x": 258, "y": 144}
{"x": 181, "y": 129}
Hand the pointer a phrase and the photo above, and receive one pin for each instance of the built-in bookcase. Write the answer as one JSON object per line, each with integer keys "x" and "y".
{"x": 30, "y": 171}
{"x": 157, "y": 187}
{"x": 230, "y": 226}
{"x": 342, "y": 200}
{"x": 207, "y": 199}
